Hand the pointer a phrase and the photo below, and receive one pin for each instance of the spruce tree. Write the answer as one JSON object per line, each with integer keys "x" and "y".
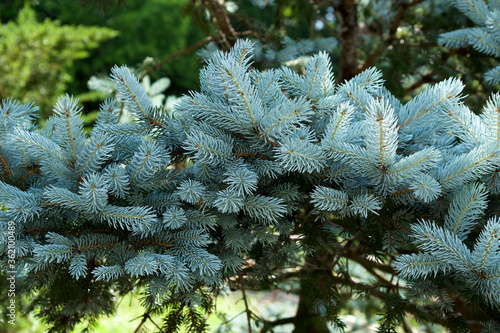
{"x": 289, "y": 176}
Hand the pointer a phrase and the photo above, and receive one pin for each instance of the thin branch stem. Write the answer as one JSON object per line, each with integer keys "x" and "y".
{"x": 5, "y": 166}
{"x": 247, "y": 309}
{"x": 392, "y": 35}
{"x": 187, "y": 50}
{"x": 277, "y": 322}
{"x": 345, "y": 248}
{"x": 145, "y": 317}
{"x": 221, "y": 22}
{"x": 31, "y": 171}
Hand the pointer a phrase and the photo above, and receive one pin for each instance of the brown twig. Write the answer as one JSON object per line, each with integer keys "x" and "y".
{"x": 221, "y": 22}
{"x": 345, "y": 248}
{"x": 179, "y": 53}
{"x": 31, "y": 171}
{"x": 253, "y": 30}
{"x": 145, "y": 317}
{"x": 5, "y": 166}
{"x": 316, "y": 7}
{"x": 247, "y": 309}
{"x": 392, "y": 35}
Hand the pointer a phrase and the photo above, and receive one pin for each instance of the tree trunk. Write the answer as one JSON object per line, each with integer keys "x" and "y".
{"x": 346, "y": 12}
{"x": 314, "y": 275}
{"x": 307, "y": 321}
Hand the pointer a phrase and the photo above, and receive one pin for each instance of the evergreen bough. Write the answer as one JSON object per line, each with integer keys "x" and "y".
{"x": 484, "y": 38}
{"x": 287, "y": 175}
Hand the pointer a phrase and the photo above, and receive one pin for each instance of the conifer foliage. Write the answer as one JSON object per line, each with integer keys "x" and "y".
{"x": 287, "y": 174}
{"x": 484, "y": 37}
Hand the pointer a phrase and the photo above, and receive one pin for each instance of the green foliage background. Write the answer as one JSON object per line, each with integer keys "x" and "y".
{"x": 57, "y": 46}
{"x": 154, "y": 29}
{"x": 36, "y": 62}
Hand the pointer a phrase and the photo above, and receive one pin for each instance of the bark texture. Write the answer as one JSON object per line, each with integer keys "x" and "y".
{"x": 346, "y": 12}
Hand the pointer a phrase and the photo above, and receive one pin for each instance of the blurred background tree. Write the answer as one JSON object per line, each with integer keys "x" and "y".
{"x": 36, "y": 62}
{"x": 140, "y": 37}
